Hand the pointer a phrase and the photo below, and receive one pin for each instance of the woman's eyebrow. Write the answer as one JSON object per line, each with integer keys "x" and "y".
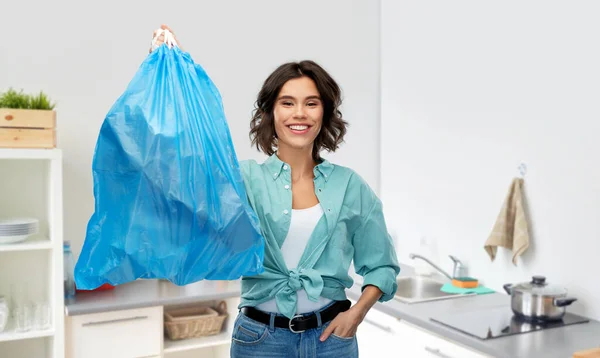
{"x": 314, "y": 97}
{"x": 292, "y": 97}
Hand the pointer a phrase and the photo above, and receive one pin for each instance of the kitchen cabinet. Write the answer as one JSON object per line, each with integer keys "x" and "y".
{"x": 422, "y": 343}
{"x": 139, "y": 333}
{"x": 379, "y": 334}
{"x": 131, "y": 333}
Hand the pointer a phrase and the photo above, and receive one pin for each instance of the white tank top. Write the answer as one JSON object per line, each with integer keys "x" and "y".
{"x": 302, "y": 225}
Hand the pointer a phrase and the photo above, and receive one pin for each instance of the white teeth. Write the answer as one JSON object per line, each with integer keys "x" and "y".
{"x": 298, "y": 128}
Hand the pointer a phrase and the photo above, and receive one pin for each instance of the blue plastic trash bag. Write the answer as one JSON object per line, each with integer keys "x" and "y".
{"x": 170, "y": 201}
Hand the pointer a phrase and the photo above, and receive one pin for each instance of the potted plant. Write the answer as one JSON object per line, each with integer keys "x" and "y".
{"x": 27, "y": 121}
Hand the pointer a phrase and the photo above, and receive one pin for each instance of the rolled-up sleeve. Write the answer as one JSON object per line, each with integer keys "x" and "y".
{"x": 374, "y": 253}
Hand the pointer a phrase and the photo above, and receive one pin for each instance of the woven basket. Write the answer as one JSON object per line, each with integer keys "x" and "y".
{"x": 195, "y": 321}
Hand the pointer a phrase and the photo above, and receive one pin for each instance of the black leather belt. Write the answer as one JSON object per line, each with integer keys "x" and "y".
{"x": 298, "y": 323}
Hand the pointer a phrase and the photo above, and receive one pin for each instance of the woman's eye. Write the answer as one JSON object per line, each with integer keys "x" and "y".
{"x": 287, "y": 103}
{"x": 312, "y": 104}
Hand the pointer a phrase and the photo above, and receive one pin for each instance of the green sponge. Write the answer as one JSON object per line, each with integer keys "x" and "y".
{"x": 480, "y": 290}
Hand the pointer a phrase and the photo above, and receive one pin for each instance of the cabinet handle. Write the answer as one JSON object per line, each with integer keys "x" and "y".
{"x": 383, "y": 328}
{"x": 436, "y": 352}
{"x": 97, "y": 323}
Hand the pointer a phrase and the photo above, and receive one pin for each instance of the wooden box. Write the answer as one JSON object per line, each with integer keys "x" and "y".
{"x": 589, "y": 353}
{"x": 27, "y": 128}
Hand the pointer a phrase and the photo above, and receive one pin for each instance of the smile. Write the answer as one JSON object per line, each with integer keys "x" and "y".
{"x": 299, "y": 128}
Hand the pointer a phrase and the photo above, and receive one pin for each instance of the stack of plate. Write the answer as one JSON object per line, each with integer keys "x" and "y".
{"x": 17, "y": 229}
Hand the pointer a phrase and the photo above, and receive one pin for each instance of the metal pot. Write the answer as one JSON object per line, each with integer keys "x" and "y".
{"x": 538, "y": 301}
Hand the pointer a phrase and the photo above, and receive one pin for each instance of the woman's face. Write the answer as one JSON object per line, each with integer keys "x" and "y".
{"x": 298, "y": 114}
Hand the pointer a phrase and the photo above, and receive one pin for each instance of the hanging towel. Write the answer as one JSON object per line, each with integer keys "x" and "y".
{"x": 511, "y": 229}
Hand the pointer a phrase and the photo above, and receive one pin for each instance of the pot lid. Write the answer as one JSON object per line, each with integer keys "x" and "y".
{"x": 539, "y": 286}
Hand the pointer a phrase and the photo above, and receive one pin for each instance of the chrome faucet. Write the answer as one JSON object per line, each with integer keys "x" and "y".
{"x": 459, "y": 268}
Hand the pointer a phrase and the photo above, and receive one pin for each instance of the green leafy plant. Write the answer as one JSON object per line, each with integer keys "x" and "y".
{"x": 14, "y": 99}
{"x": 41, "y": 101}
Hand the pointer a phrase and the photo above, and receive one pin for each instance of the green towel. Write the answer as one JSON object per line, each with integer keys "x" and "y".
{"x": 480, "y": 290}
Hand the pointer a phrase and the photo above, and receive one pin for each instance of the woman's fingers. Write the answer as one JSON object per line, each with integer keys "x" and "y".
{"x": 161, "y": 38}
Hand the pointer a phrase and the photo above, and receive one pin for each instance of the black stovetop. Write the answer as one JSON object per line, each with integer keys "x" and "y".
{"x": 498, "y": 322}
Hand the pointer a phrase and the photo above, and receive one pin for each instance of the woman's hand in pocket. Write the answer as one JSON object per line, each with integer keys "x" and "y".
{"x": 344, "y": 324}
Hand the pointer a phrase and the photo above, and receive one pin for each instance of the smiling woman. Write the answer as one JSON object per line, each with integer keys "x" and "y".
{"x": 334, "y": 217}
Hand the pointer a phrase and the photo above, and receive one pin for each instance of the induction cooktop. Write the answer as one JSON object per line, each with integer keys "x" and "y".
{"x": 498, "y": 322}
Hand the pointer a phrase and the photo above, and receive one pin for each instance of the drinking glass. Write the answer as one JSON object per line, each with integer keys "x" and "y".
{"x": 41, "y": 315}
{"x": 22, "y": 317}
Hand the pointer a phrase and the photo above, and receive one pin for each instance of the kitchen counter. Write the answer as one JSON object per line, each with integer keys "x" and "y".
{"x": 147, "y": 293}
{"x": 557, "y": 342}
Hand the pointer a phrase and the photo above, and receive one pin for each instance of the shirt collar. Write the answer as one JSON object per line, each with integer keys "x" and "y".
{"x": 324, "y": 168}
{"x": 276, "y": 165}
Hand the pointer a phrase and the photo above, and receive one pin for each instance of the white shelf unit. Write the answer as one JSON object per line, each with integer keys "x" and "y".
{"x": 29, "y": 245}
{"x": 11, "y": 335}
{"x": 31, "y": 186}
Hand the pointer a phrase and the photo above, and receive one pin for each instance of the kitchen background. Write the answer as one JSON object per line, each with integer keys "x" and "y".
{"x": 444, "y": 99}
{"x": 469, "y": 91}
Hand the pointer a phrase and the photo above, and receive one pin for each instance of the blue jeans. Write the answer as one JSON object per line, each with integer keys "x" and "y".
{"x": 255, "y": 339}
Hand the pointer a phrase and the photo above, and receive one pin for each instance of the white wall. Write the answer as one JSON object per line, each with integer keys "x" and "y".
{"x": 84, "y": 54}
{"x": 469, "y": 90}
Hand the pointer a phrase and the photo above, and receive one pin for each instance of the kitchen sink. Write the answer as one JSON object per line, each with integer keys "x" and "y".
{"x": 415, "y": 289}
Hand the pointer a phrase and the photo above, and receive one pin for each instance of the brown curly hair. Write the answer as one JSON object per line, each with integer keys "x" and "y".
{"x": 262, "y": 125}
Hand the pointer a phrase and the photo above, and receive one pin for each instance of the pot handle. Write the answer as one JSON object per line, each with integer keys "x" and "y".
{"x": 561, "y": 302}
{"x": 508, "y": 288}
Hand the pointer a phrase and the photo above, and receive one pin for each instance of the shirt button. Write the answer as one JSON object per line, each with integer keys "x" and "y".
{"x": 320, "y": 190}
{"x": 285, "y": 167}
{"x": 329, "y": 209}
{"x": 285, "y": 212}
{"x": 287, "y": 186}
{"x": 274, "y": 175}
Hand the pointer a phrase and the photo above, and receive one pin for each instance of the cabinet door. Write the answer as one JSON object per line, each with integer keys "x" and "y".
{"x": 430, "y": 345}
{"x": 119, "y": 334}
{"x": 379, "y": 335}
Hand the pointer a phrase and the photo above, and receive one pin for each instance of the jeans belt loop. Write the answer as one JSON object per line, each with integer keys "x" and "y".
{"x": 272, "y": 322}
{"x": 319, "y": 320}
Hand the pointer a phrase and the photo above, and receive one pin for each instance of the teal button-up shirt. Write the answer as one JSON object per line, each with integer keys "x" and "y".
{"x": 352, "y": 227}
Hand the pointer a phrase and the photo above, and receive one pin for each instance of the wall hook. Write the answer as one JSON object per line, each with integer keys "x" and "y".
{"x": 522, "y": 169}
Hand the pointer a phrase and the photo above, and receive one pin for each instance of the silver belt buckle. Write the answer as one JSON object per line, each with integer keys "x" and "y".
{"x": 291, "y": 322}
